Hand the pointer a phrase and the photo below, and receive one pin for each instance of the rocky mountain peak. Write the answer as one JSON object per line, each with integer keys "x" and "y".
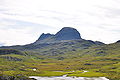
{"x": 45, "y": 36}
{"x": 67, "y": 33}
{"x": 118, "y": 41}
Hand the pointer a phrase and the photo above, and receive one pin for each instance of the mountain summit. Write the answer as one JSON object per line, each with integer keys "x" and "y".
{"x": 66, "y": 33}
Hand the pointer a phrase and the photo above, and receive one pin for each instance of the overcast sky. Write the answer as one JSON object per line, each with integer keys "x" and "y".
{"x": 23, "y": 21}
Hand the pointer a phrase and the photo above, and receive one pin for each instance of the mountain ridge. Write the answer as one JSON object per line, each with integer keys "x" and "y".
{"x": 66, "y": 33}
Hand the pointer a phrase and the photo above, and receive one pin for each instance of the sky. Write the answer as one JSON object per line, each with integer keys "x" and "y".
{"x": 23, "y": 21}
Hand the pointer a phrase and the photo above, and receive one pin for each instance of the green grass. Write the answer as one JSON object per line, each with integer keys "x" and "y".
{"x": 88, "y": 74}
{"x": 98, "y": 60}
{"x": 52, "y": 67}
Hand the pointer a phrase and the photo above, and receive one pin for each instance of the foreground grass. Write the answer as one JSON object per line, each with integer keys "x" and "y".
{"x": 51, "y": 67}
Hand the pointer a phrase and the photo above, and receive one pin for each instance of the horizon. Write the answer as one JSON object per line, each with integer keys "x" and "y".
{"x": 54, "y": 34}
{"x": 22, "y": 22}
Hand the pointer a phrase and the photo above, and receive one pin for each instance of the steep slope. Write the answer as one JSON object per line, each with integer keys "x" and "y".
{"x": 66, "y": 33}
{"x": 45, "y": 36}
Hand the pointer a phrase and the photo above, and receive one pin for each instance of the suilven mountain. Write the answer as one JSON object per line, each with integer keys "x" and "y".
{"x": 67, "y": 39}
{"x": 64, "y": 51}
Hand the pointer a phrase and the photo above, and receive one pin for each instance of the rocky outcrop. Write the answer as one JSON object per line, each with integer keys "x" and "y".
{"x": 17, "y": 77}
{"x": 45, "y": 36}
{"x": 66, "y": 33}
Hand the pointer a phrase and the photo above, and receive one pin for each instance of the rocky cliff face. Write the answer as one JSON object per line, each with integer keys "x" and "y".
{"x": 45, "y": 36}
{"x": 66, "y": 33}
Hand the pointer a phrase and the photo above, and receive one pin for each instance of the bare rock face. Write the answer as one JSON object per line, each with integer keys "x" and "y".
{"x": 45, "y": 36}
{"x": 67, "y": 33}
{"x": 118, "y": 41}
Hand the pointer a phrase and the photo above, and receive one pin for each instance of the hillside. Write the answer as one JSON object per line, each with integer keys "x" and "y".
{"x": 56, "y": 55}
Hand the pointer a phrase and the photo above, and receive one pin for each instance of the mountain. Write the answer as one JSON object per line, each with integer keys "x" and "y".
{"x": 66, "y": 33}
{"x": 45, "y": 36}
{"x": 67, "y": 36}
{"x": 62, "y": 53}
{"x": 118, "y": 41}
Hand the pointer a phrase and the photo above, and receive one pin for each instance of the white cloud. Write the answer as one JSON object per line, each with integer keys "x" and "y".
{"x": 15, "y": 36}
{"x": 95, "y": 19}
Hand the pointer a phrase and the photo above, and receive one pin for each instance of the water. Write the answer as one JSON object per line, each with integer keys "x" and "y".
{"x": 64, "y": 77}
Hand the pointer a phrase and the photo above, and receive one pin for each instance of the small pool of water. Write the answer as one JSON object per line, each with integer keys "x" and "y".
{"x": 64, "y": 77}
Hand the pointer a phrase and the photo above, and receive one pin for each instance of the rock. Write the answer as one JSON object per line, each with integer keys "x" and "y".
{"x": 118, "y": 41}
{"x": 67, "y": 33}
{"x": 5, "y": 77}
{"x": 45, "y": 36}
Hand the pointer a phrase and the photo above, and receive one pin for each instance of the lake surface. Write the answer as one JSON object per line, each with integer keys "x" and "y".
{"x": 68, "y": 78}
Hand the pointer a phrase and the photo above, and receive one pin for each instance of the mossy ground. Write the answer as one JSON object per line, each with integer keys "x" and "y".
{"x": 98, "y": 61}
{"x": 52, "y": 67}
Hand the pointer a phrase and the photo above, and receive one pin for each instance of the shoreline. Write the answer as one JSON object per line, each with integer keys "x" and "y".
{"x": 64, "y": 77}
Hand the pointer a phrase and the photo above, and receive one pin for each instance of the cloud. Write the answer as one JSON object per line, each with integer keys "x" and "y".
{"x": 95, "y": 19}
{"x": 2, "y": 44}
